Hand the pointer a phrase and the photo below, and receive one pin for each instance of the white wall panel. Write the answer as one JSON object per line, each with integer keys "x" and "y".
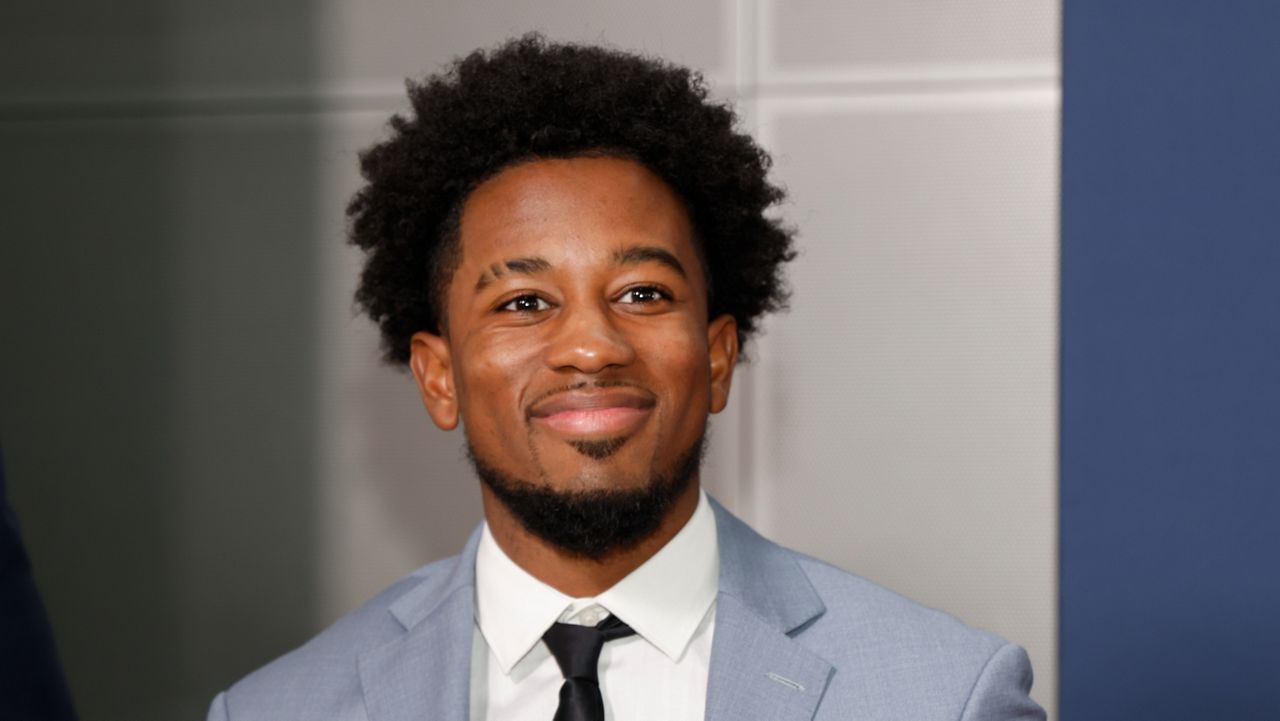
{"x": 370, "y": 48}
{"x": 901, "y": 421}
{"x": 904, "y": 411}
{"x": 396, "y": 491}
{"x": 907, "y": 40}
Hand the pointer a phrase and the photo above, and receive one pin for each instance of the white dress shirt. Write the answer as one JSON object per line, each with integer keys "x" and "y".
{"x": 659, "y": 673}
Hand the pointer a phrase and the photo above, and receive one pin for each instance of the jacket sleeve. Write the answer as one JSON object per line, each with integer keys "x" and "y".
{"x": 32, "y": 684}
{"x": 218, "y": 709}
{"x": 1002, "y": 690}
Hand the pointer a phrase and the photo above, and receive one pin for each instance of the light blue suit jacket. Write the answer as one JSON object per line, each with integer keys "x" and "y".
{"x": 795, "y": 639}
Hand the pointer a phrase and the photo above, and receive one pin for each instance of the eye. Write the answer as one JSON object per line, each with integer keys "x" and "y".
{"x": 643, "y": 294}
{"x": 524, "y": 304}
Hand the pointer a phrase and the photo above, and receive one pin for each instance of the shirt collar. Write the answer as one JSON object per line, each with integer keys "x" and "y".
{"x": 664, "y": 600}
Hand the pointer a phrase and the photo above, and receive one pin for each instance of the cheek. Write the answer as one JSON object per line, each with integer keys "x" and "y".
{"x": 493, "y": 380}
{"x": 684, "y": 361}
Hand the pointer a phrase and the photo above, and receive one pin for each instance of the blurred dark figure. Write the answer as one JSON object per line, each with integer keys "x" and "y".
{"x": 32, "y": 686}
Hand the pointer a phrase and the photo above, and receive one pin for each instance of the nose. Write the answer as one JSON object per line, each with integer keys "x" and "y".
{"x": 588, "y": 339}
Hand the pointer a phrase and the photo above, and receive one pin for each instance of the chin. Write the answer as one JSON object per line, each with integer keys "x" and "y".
{"x": 596, "y": 513}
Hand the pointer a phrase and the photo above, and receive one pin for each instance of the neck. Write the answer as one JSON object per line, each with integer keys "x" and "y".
{"x": 575, "y": 575}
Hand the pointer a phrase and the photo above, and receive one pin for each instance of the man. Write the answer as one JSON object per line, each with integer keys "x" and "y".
{"x": 567, "y": 246}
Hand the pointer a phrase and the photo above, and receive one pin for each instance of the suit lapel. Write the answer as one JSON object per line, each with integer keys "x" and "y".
{"x": 757, "y": 669}
{"x": 426, "y": 672}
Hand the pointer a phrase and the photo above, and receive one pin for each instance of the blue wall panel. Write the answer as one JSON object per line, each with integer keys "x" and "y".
{"x": 1170, "y": 470}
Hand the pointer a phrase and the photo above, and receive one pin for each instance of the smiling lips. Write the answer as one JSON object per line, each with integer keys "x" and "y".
{"x": 612, "y": 412}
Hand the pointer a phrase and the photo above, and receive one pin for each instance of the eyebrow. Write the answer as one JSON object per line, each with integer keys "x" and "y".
{"x": 624, "y": 256}
{"x": 520, "y": 266}
{"x": 647, "y": 254}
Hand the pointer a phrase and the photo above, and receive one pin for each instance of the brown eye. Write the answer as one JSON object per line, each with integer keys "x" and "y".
{"x": 643, "y": 294}
{"x": 525, "y": 304}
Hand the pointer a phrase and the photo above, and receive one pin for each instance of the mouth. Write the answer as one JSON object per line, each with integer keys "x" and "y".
{"x": 593, "y": 413}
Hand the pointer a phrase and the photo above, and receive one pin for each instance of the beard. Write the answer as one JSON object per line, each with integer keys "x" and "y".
{"x": 593, "y": 523}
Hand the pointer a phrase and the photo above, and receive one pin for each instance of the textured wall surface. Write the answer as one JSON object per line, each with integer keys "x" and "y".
{"x": 902, "y": 418}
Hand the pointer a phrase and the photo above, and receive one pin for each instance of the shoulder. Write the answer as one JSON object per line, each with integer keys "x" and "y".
{"x": 323, "y": 673}
{"x": 886, "y": 623}
{"x": 889, "y": 657}
{"x": 827, "y": 606}
{"x": 892, "y": 653}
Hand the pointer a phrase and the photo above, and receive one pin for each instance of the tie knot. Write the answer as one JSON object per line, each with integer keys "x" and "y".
{"x": 577, "y": 648}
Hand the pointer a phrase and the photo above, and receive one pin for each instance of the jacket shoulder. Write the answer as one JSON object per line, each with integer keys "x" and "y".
{"x": 885, "y": 620}
{"x": 893, "y": 654}
{"x": 323, "y": 673}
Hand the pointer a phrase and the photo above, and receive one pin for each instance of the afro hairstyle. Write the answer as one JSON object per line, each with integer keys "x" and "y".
{"x": 531, "y": 99}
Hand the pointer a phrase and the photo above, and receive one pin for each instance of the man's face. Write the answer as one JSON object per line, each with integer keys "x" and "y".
{"x": 578, "y": 350}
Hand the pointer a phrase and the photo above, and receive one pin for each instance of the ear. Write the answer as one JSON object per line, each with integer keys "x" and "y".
{"x": 722, "y": 349}
{"x": 432, "y": 366}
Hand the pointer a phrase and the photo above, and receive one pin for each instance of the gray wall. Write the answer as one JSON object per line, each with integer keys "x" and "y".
{"x": 158, "y": 374}
{"x": 210, "y": 462}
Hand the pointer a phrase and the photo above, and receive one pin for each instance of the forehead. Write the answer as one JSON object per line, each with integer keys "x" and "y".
{"x": 573, "y": 210}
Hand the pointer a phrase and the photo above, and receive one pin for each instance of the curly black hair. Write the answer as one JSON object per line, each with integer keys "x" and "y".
{"x": 530, "y": 99}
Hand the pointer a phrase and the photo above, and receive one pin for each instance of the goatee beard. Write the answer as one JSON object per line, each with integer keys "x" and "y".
{"x": 593, "y": 523}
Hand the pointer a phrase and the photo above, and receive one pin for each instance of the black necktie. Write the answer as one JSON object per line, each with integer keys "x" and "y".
{"x": 577, "y": 650}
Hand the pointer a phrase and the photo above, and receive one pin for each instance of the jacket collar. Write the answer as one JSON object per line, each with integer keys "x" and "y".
{"x": 758, "y": 670}
{"x": 425, "y": 673}
{"x": 763, "y": 576}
